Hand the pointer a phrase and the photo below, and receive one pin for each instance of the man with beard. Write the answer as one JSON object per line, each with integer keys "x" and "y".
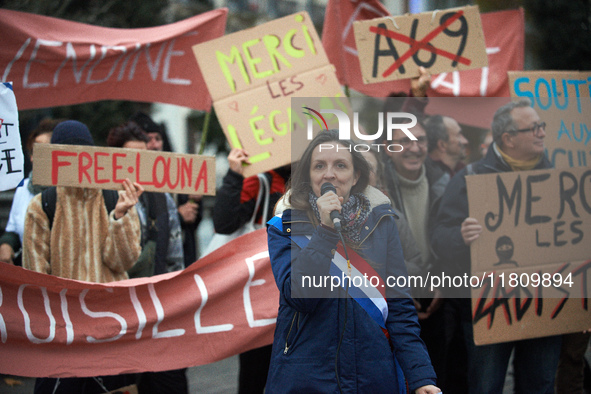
{"x": 415, "y": 189}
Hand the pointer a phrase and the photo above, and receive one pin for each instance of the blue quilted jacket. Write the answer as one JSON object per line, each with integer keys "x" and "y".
{"x": 308, "y": 330}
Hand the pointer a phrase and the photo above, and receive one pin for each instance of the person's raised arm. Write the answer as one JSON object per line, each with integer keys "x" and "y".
{"x": 127, "y": 199}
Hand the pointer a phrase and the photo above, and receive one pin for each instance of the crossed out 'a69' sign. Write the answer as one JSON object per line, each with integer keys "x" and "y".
{"x": 444, "y": 40}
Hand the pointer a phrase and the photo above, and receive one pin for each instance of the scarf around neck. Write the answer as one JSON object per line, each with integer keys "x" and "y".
{"x": 34, "y": 189}
{"x": 519, "y": 165}
{"x": 354, "y": 213}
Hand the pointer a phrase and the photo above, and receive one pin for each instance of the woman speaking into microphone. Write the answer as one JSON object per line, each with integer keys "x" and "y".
{"x": 339, "y": 327}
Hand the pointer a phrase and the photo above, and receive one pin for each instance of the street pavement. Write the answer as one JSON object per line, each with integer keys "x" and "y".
{"x": 216, "y": 378}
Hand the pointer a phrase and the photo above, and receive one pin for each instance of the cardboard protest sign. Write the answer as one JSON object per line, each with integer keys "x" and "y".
{"x": 223, "y": 304}
{"x": 533, "y": 253}
{"x": 561, "y": 99}
{"x": 253, "y": 74}
{"x": 55, "y": 62}
{"x": 106, "y": 168}
{"x": 391, "y": 48}
{"x": 503, "y": 34}
{"x": 12, "y": 160}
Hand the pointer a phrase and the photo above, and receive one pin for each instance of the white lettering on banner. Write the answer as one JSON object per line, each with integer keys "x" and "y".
{"x": 160, "y": 315}
{"x": 18, "y": 55}
{"x": 104, "y": 50}
{"x": 38, "y": 44}
{"x": 3, "y": 332}
{"x": 160, "y": 65}
{"x": 66, "y": 314}
{"x": 28, "y": 331}
{"x": 97, "y": 315}
{"x": 455, "y": 85}
{"x": 250, "y": 283}
{"x": 209, "y": 329}
{"x": 139, "y": 311}
{"x": 169, "y": 54}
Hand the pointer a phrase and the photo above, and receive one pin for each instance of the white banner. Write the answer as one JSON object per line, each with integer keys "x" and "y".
{"x": 11, "y": 151}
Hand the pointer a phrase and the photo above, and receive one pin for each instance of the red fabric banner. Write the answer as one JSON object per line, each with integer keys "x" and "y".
{"x": 222, "y": 305}
{"x": 54, "y": 62}
{"x": 503, "y": 34}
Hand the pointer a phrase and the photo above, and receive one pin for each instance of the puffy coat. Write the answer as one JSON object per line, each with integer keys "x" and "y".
{"x": 307, "y": 348}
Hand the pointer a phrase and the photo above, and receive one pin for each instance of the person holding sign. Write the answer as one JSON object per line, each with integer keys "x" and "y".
{"x": 234, "y": 206}
{"x": 161, "y": 249}
{"x": 190, "y": 211}
{"x": 518, "y": 135}
{"x": 83, "y": 241}
{"x": 355, "y": 339}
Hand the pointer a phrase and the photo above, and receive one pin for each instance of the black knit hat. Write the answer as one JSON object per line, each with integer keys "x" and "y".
{"x": 146, "y": 123}
{"x": 72, "y": 132}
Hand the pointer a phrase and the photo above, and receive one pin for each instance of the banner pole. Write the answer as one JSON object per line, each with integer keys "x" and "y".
{"x": 204, "y": 131}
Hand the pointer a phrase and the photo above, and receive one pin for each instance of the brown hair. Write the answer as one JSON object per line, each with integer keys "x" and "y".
{"x": 299, "y": 183}
{"x": 128, "y": 131}
{"x": 46, "y": 126}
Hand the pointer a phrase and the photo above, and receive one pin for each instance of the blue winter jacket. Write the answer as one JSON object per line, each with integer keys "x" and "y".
{"x": 304, "y": 357}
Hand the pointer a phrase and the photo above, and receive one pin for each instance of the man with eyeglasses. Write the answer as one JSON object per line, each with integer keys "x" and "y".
{"x": 518, "y": 145}
{"x": 415, "y": 189}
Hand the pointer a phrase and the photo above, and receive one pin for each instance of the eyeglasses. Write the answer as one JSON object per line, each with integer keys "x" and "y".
{"x": 407, "y": 142}
{"x": 535, "y": 128}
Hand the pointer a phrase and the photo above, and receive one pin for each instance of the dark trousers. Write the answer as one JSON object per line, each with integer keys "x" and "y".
{"x": 455, "y": 376}
{"x": 163, "y": 382}
{"x": 534, "y": 364}
{"x": 82, "y": 385}
{"x": 254, "y": 367}
{"x": 433, "y": 334}
{"x": 571, "y": 367}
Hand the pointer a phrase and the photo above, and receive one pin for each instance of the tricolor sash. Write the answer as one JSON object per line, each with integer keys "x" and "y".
{"x": 371, "y": 298}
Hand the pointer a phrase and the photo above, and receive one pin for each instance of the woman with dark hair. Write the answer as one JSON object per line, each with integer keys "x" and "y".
{"x": 344, "y": 339}
{"x": 12, "y": 239}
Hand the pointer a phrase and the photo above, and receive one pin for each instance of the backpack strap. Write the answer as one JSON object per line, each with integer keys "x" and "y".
{"x": 49, "y": 199}
{"x": 111, "y": 197}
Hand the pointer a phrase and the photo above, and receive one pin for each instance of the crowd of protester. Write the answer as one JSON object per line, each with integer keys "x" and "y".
{"x": 146, "y": 234}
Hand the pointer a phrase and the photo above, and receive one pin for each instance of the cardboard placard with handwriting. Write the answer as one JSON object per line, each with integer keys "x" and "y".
{"x": 392, "y": 48}
{"x": 252, "y": 76}
{"x": 561, "y": 99}
{"x": 532, "y": 256}
{"x": 106, "y": 168}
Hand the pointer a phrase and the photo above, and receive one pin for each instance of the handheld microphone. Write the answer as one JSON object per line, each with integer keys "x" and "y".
{"x": 335, "y": 216}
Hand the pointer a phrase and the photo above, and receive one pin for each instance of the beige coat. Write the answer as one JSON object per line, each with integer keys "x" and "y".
{"x": 85, "y": 243}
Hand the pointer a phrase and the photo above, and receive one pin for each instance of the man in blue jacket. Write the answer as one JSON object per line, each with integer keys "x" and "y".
{"x": 518, "y": 135}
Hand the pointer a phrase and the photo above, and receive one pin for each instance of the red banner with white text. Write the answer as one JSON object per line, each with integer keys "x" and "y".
{"x": 222, "y": 305}
{"x": 503, "y": 34}
{"x": 53, "y": 62}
